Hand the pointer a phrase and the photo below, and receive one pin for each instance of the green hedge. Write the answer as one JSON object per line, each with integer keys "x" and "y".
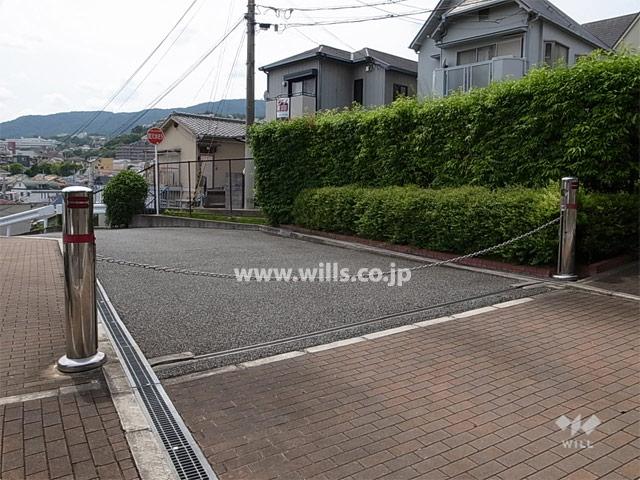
{"x": 467, "y": 219}
{"x": 124, "y": 196}
{"x": 581, "y": 121}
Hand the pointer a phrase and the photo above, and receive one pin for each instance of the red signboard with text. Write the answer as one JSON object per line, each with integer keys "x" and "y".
{"x": 155, "y": 136}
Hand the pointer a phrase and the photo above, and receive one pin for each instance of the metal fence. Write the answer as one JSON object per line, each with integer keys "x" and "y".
{"x": 204, "y": 183}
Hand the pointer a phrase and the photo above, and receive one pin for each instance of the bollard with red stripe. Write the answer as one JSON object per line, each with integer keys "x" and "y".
{"x": 568, "y": 222}
{"x": 79, "y": 241}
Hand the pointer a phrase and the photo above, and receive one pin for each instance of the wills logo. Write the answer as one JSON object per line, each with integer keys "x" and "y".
{"x": 576, "y": 426}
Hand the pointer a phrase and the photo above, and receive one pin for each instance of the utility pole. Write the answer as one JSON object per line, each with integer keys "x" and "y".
{"x": 250, "y": 100}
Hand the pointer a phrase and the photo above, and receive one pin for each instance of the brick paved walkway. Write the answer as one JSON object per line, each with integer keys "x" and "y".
{"x": 623, "y": 280}
{"x": 472, "y": 398}
{"x": 73, "y": 431}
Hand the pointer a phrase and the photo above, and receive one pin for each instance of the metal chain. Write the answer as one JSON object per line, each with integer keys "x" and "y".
{"x": 160, "y": 268}
{"x": 197, "y": 273}
{"x": 486, "y": 250}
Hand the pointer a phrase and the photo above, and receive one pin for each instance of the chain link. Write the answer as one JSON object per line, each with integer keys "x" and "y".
{"x": 197, "y": 273}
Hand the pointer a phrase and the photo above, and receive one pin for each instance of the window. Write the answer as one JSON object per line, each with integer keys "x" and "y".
{"x": 486, "y": 53}
{"x": 358, "y": 91}
{"x": 400, "y": 91}
{"x": 297, "y": 87}
{"x": 510, "y": 46}
{"x": 483, "y": 15}
{"x": 302, "y": 86}
{"x": 554, "y": 53}
{"x": 467, "y": 56}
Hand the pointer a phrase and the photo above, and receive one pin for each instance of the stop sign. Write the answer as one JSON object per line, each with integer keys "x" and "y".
{"x": 155, "y": 135}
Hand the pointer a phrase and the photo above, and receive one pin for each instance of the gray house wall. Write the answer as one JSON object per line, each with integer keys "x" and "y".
{"x": 426, "y": 66}
{"x": 392, "y": 77}
{"x": 576, "y": 45}
{"x": 466, "y": 31}
{"x": 274, "y": 79}
{"x": 336, "y": 84}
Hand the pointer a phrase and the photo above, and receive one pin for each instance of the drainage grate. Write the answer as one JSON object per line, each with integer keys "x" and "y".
{"x": 184, "y": 453}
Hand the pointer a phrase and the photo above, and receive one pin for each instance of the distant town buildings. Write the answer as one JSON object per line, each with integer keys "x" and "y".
{"x": 140, "y": 151}
{"x": 33, "y": 143}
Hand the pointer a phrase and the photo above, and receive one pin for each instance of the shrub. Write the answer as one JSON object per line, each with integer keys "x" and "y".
{"x": 124, "y": 196}
{"x": 582, "y": 121}
{"x": 467, "y": 219}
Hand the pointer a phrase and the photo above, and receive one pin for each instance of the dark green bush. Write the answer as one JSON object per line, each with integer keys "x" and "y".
{"x": 466, "y": 219}
{"x": 124, "y": 196}
{"x": 581, "y": 121}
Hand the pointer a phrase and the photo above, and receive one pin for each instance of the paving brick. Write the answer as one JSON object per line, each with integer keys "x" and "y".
{"x": 461, "y": 399}
{"x": 46, "y": 438}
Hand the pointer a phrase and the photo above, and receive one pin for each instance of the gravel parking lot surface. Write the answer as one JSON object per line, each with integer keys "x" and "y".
{"x": 170, "y": 313}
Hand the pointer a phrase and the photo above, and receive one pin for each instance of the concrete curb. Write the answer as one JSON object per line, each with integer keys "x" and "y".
{"x": 146, "y": 447}
{"x": 343, "y": 343}
{"x": 154, "y": 221}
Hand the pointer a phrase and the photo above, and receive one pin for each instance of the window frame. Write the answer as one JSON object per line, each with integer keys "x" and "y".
{"x": 400, "y": 90}
{"x": 553, "y": 61}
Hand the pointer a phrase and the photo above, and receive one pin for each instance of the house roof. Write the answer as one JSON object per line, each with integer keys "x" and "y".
{"x": 611, "y": 30}
{"x": 209, "y": 125}
{"x": 544, "y": 8}
{"x": 386, "y": 60}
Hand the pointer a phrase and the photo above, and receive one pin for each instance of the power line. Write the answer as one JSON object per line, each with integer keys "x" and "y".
{"x": 355, "y": 20}
{"x": 158, "y": 62}
{"x": 136, "y": 71}
{"x": 327, "y": 31}
{"x": 179, "y": 80}
{"x": 217, "y": 61}
{"x": 277, "y": 10}
{"x": 321, "y": 22}
{"x": 408, "y": 19}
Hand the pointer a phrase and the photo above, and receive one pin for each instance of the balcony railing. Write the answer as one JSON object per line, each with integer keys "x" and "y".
{"x": 299, "y": 104}
{"x": 466, "y": 77}
{"x": 477, "y": 75}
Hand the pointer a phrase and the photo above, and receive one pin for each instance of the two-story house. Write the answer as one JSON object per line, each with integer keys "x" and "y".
{"x": 470, "y": 43}
{"x": 325, "y": 77}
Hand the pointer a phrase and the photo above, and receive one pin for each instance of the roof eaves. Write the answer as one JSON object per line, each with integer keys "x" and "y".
{"x": 417, "y": 41}
{"x": 577, "y": 30}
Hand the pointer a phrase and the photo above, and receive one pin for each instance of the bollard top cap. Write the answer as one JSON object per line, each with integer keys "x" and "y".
{"x": 76, "y": 189}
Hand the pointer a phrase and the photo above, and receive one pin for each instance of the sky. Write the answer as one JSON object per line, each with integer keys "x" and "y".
{"x": 70, "y": 55}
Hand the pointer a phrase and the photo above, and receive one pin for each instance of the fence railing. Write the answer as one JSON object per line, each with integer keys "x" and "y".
{"x": 205, "y": 183}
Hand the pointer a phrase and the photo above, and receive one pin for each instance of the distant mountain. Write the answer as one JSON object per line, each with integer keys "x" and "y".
{"x": 108, "y": 123}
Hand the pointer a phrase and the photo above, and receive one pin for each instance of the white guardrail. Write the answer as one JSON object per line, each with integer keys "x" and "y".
{"x": 22, "y": 220}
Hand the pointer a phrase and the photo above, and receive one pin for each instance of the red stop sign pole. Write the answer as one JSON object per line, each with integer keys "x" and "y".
{"x": 156, "y": 136}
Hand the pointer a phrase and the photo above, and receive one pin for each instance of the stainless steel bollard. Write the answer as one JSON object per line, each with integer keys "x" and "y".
{"x": 568, "y": 221}
{"x": 81, "y": 327}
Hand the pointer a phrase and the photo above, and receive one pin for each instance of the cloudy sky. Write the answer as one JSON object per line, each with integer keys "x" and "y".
{"x": 61, "y": 55}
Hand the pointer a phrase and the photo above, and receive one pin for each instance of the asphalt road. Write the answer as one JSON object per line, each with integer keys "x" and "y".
{"x": 169, "y": 313}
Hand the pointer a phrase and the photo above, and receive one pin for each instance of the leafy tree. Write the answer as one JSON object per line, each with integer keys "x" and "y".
{"x": 124, "y": 196}
{"x": 15, "y": 168}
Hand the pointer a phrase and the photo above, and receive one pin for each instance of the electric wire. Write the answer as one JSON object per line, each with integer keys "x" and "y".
{"x": 136, "y": 71}
{"x": 178, "y": 81}
{"x": 340, "y": 7}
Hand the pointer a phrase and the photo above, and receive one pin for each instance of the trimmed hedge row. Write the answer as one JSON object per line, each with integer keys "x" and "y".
{"x": 467, "y": 219}
{"x": 581, "y": 121}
